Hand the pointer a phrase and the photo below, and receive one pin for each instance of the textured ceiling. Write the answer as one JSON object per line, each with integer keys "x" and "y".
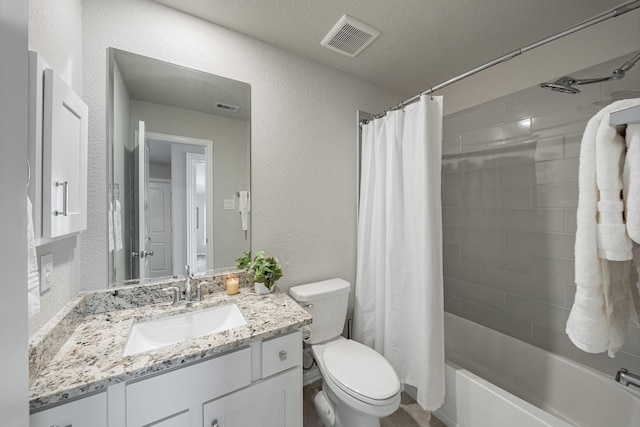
{"x": 423, "y": 42}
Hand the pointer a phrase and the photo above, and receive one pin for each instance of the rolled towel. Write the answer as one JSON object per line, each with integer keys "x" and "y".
{"x": 632, "y": 181}
{"x": 613, "y": 242}
{"x": 610, "y": 211}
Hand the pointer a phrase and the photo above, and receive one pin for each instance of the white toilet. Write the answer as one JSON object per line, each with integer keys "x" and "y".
{"x": 359, "y": 386}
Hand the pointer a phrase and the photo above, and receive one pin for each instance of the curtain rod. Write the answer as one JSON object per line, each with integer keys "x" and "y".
{"x": 628, "y": 7}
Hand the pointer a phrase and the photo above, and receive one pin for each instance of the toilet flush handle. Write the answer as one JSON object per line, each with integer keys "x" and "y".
{"x": 308, "y": 306}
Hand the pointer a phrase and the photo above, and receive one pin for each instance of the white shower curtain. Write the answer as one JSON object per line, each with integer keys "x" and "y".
{"x": 398, "y": 296}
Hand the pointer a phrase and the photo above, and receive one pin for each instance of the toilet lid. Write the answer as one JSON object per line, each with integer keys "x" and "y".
{"x": 360, "y": 370}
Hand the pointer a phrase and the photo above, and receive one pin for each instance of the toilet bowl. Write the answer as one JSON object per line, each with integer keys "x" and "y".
{"x": 359, "y": 386}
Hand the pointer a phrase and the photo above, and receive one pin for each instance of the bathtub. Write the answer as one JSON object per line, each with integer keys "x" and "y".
{"x": 498, "y": 381}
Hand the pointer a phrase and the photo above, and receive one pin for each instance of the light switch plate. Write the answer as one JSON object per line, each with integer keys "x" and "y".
{"x": 229, "y": 204}
{"x": 46, "y": 271}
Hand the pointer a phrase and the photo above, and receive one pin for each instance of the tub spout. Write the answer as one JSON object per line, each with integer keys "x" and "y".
{"x": 625, "y": 377}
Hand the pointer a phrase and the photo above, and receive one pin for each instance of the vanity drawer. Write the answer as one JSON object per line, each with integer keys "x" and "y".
{"x": 281, "y": 353}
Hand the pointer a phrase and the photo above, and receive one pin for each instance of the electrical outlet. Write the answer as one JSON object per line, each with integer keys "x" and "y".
{"x": 46, "y": 271}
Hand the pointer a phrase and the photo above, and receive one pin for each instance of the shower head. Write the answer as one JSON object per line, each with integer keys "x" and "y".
{"x": 566, "y": 84}
{"x": 562, "y": 85}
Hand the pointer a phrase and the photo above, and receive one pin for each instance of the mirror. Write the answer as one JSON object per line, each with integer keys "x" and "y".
{"x": 179, "y": 169}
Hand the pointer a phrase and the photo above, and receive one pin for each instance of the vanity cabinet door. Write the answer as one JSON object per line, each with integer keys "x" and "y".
{"x": 87, "y": 412}
{"x": 64, "y": 159}
{"x": 274, "y": 402}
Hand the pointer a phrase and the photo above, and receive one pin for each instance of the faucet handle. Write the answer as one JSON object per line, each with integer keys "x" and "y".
{"x": 199, "y": 291}
{"x": 176, "y": 294}
{"x": 187, "y": 271}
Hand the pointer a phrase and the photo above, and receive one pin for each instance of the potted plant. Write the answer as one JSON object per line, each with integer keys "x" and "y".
{"x": 265, "y": 270}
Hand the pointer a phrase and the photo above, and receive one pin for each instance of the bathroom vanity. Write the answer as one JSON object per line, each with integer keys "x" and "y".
{"x": 249, "y": 375}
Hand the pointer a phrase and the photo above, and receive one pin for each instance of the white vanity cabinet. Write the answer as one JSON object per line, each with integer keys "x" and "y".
{"x": 89, "y": 411}
{"x": 259, "y": 385}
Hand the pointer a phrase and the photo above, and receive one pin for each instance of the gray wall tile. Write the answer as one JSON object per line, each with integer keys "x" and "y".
{"x": 557, "y": 171}
{"x": 451, "y": 181}
{"x": 477, "y": 293}
{"x": 452, "y": 304}
{"x": 551, "y": 244}
{"x": 572, "y": 144}
{"x": 550, "y": 316}
{"x": 557, "y": 196}
{"x": 524, "y": 219}
{"x": 504, "y": 260}
{"x": 461, "y": 217}
{"x": 451, "y": 251}
{"x": 497, "y": 320}
{"x": 559, "y": 269}
{"x": 525, "y": 285}
{"x": 451, "y": 199}
{"x": 549, "y": 148}
{"x": 476, "y": 119}
{"x": 483, "y": 237}
{"x": 462, "y": 271}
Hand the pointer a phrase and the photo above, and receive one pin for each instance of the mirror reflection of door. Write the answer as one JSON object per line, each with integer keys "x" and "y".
{"x": 196, "y": 213}
{"x": 173, "y": 191}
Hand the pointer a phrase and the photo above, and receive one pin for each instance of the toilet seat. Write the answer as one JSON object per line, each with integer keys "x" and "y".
{"x": 361, "y": 372}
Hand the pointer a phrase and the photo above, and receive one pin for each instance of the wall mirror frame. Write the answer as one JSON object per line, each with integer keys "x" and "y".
{"x": 178, "y": 170}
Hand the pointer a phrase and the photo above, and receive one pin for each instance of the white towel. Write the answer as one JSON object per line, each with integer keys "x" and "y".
{"x": 613, "y": 242}
{"x": 244, "y": 208}
{"x": 593, "y": 325}
{"x": 110, "y": 229}
{"x": 631, "y": 178}
{"x": 33, "y": 277}
{"x": 117, "y": 224}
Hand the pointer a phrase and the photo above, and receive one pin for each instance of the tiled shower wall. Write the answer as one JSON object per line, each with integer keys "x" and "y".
{"x": 510, "y": 192}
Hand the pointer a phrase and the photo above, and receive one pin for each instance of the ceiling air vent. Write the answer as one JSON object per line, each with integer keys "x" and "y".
{"x": 227, "y": 107}
{"x": 350, "y": 36}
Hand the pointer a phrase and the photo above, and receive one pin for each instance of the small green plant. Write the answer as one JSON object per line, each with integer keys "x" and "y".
{"x": 264, "y": 269}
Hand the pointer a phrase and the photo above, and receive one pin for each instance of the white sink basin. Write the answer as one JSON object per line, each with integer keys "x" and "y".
{"x": 158, "y": 333}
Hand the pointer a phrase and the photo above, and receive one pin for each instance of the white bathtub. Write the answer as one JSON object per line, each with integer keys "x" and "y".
{"x": 486, "y": 370}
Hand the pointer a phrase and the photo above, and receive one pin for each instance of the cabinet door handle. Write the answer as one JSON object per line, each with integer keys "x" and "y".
{"x": 283, "y": 356}
{"x": 65, "y": 200}
{"x": 214, "y": 423}
{"x": 70, "y": 425}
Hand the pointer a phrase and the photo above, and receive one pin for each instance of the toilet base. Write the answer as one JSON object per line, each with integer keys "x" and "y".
{"x": 332, "y": 415}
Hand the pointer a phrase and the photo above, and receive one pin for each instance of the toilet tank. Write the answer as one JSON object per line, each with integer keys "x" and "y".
{"x": 327, "y": 302}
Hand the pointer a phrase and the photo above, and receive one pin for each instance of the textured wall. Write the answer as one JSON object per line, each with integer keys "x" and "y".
{"x": 303, "y": 133}
{"x": 510, "y": 192}
{"x": 55, "y": 31}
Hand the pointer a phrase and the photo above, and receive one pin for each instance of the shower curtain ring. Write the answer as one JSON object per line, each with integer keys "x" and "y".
{"x": 431, "y": 93}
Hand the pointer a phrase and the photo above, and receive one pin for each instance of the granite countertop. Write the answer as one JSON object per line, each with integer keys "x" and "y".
{"x": 90, "y": 359}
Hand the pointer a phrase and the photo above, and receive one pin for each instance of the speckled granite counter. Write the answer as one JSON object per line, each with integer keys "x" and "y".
{"x": 97, "y": 325}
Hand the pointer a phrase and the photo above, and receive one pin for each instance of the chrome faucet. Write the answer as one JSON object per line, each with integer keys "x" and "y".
{"x": 625, "y": 377}
{"x": 187, "y": 284}
{"x": 188, "y": 294}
